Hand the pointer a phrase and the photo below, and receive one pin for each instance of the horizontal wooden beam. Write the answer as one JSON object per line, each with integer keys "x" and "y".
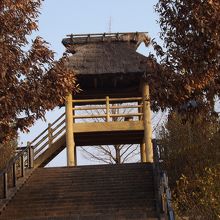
{"x": 95, "y": 107}
{"x": 130, "y": 99}
{"x": 51, "y": 152}
{"x": 103, "y": 34}
{"x": 108, "y": 126}
{"x": 105, "y": 138}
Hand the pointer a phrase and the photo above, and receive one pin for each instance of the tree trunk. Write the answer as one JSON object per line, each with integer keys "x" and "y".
{"x": 117, "y": 154}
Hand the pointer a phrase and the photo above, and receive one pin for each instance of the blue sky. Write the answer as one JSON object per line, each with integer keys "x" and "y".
{"x": 59, "y": 18}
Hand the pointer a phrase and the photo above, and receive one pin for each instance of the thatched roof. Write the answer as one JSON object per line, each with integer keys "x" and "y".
{"x": 107, "y": 64}
{"x": 105, "y": 54}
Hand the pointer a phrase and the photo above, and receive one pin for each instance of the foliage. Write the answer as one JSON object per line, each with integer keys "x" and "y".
{"x": 190, "y": 56}
{"x": 31, "y": 82}
{"x": 191, "y": 158}
{"x": 200, "y": 196}
{"x": 7, "y": 150}
{"x": 188, "y": 81}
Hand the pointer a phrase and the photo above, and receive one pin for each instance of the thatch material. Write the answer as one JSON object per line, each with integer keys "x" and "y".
{"x": 109, "y": 56}
{"x": 107, "y": 65}
{"x": 104, "y": 58}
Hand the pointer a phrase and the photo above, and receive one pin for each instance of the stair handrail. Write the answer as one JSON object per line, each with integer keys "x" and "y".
{"x": 45, "y": 130}
{"x": 11, "y": 166}
{"x": 48, "y": 135}
{"x": 25, "y": 156}
{"x": 167, "y": 193}
{"x": 161, "y": 180}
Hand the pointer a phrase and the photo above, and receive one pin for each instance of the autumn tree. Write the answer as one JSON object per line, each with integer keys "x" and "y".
{"x": 31, "y": 82}
{"x": 187, "y": 81}
{"x": 191, "y": 153}
{"x": 189, "y": 57}
{"x": 7, "y": 151}
{"x": 111, "y": 154}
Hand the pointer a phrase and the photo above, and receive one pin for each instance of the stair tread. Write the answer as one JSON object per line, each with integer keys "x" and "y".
{"x": 86, "y": 192}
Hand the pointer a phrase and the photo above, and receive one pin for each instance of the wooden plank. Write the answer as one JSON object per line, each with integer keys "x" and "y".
{"x": 44, "y": 131}
{"x": 126, "y": 115}
{"x": 89, "y": 108}
{"x": 41, "y": 140}
{"x": 38, "y": 150}
{"x": 89, "y": 116}
{"x": 94, "y": 93}
{"x": 88, "y": 100}
{"x": 58, "y": 119}
{"x": 59, "y": 132}
{"x": 126, "y": 99}
{"x": 125, "y": 106}
{"x": 108, "y": 126}
{"x": 105, "y": 34}
{"x": 44, "y": 158}
{"x": 59, "y": 125}
{"x": 106, "y": 138}
{"x": 103, "y": 107}
{"x": 130, "y": 99}
{"x": 107, "y": 109}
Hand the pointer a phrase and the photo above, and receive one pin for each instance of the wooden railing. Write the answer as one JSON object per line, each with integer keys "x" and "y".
{"x": 163, "y": 193}
{"x": 125, "y": 36}
{"x": 103, "y": 34}
{"x": 47, "y": 137}
{"x": 16, "y": 168}
{"x": 108, "y": 109}
{"x": 23, "y": 161}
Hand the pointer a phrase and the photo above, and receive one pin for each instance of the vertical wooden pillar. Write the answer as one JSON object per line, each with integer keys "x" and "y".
{"x": 30, "y": 156}
{"x": 75, "y": 156}
{"x": 75, "y": 150}
{"x": 14, "y": 176}
{"x": 143, "y": 152}
{"x": 107, "y": 109}
{"x": 5, "y": 185}
{"x": 22, "y": 165}
{"x": 142, "y": 145}
{"x": 70, "y": 144}
{"x": 147, "y": 123}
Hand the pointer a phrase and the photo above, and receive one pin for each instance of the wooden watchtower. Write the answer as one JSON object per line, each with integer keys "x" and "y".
{"x": 109, "y": 73}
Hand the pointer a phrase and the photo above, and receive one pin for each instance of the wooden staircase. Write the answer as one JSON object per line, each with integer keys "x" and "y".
{"x": 86, "y": 192}
{"x": 28, "y": 191}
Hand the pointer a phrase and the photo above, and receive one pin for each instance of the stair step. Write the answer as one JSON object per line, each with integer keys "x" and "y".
{"x": 112, "y": 216}
{"x": 113, "y": 192}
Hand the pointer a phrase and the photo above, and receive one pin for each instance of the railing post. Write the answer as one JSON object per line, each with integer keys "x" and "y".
{"x": 5, "y": 185}
{"x": 107, "y": 109}
{"x": 14, "y": 178}
{"x": 143, "y": 152}
{"x": 22, "y": 166}
{"x": 50, "y": 135}
{"x": 140, "y": 110}
{"x": 142, "y": 145}
{"x": 74, "y": 112}
{"x": 30, "y": 156}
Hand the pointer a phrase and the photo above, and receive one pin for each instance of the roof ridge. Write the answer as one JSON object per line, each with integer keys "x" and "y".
{"x": 131, "y": 37}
